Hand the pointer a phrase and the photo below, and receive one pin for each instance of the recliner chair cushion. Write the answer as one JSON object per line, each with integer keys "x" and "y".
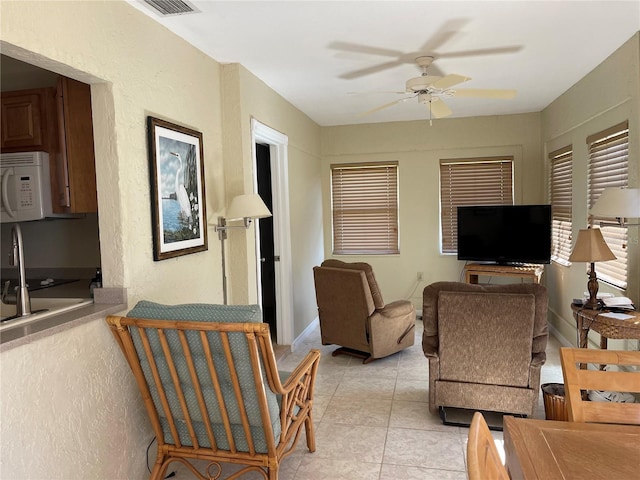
{"x": 368, "y": 270}
{"x": 473, "y": 356}
{"x": 430, "y": 313}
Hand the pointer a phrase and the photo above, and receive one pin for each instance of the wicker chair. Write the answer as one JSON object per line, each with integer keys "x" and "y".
{"x": 483, "y": 459}
{"x": 211, "y": 387}
{"x": 577, "y": 379}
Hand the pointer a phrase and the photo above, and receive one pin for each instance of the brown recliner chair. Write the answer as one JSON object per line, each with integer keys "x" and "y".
{"x": 485, "y": 345}
{"x": 353, "y": 315}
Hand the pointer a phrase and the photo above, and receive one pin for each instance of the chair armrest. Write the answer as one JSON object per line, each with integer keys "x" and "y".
{"x": 308, "y": 365}
{"x": 538, "y": 359}
{"x": 297, "y": 394}
{"x": 430, "y": 345}
{"x": 396, "y": 309}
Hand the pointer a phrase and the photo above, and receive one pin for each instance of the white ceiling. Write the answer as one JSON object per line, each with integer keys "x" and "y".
{"x": 298, "y": 49}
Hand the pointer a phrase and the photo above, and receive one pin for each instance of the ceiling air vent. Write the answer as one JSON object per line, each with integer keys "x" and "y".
{"x": 171, "y": 7}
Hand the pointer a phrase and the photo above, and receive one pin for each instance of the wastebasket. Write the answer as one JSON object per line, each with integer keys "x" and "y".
{"x": 555, "y": 407}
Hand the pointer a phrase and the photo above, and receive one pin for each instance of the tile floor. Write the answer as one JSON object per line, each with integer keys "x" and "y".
{"x": 373, "y": 422}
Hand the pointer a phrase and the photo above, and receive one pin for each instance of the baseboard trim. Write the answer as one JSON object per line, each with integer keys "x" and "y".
{"x": 299, "y": 340}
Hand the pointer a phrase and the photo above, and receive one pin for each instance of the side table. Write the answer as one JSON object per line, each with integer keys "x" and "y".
{"x": 532, "y": 271}
{"x": 607, "y": 327}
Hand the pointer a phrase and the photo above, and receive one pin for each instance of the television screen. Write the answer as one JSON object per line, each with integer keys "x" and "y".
{"x": 505, "y": 233}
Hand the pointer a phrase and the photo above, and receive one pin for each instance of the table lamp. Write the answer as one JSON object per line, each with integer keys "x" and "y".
{"x": 243, "y": 207}
{"x": 590, "y": 247}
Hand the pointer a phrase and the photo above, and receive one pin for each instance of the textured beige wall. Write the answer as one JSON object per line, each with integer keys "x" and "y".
{"x": 69, "y": 409}
{"x": 246, "y": 97}
{"x": 136, "y": 68}
{"x": 418, "y": 148}
{"x": 608, "y": 95}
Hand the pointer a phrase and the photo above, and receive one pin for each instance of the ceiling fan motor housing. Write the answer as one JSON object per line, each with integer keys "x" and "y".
{"x": 418, "y": 84}
{"x": 426, "y": 98}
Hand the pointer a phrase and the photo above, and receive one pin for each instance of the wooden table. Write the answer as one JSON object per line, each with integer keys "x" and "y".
{"x": 531, "y": 271}
{"x": 549, "y": 450}
{"x": 587, "y": 319}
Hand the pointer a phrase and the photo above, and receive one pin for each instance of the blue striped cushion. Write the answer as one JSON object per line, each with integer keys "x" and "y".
{"x": 240, "y": 352}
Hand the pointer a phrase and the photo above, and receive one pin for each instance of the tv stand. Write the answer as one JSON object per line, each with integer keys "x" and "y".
{"x": 531, "y": 271}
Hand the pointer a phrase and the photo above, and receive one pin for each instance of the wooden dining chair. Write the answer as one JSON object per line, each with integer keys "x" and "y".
{"x": 483, "y": 459}
{"x": 576, "y": 380}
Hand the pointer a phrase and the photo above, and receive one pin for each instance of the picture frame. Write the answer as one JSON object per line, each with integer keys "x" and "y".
{"x": 179, "y": 220}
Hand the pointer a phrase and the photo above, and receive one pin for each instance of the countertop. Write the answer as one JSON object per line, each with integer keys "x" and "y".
{"x": 107, "y": 301}
{"x": 69, "y": 282}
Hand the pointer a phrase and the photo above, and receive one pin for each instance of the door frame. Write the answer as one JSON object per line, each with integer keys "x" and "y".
{"x": 278, "y": 144}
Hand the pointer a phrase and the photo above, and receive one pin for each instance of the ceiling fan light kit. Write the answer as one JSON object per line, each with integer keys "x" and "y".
{"x": 431, "y": 88}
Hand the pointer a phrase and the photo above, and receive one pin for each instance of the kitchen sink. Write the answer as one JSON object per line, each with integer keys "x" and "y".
{"x": 42, "y": 308}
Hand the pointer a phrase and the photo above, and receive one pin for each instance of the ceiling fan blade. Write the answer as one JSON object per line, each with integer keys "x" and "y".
{"x": 484, "y": 93}
{"x": 446, "y": 32}
{"x": 357, "y": 48}
{"x": 377, "y": 93}
{"x": 386, "y": 105}
{"x": 370, "y": 70}
{"x": 438, "y": 108}
{"x": 480, "y": 51}
{"x": 449, "y": 81}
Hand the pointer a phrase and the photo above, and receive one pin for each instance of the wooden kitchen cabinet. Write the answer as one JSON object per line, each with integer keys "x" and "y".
{"x": 74, "y": 185}
{"x": 24, "y": 121}
{"x": 57, "y": 121}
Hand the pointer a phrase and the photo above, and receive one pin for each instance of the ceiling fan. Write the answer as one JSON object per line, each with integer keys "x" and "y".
{"x": 431, "y": 89}
{"x": 449, "y": 30}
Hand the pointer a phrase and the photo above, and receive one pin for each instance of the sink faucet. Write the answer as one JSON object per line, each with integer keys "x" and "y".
{"x": 21, "y": 298}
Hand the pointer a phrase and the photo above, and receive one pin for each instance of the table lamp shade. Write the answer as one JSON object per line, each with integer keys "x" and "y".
{"x": 591, "y": 247}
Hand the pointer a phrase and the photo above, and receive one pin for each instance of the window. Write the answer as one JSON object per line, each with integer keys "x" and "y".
{"x": 473, "y": 181}
{"x": 609, "y": 167}
{"x": 364, "y": 206}
{"x": 560, "y": 185}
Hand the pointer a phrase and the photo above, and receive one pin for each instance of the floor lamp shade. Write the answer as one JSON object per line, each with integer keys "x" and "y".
{"x": 243, "y": 207}
{"x": 590, "y": 247}
{"x": 247, "y": 206}
{"x": 618, "y": 202}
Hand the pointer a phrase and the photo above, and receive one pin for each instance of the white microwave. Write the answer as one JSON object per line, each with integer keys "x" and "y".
{"x": 25, "y": 187}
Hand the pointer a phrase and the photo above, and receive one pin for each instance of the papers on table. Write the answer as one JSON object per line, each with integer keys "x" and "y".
{"x": 622, "y": 303}
{"x": 617, "y": 316}
{"x": 600, "y": 295}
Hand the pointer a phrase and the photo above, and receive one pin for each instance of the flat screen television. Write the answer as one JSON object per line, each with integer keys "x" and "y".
{"x": 505, "y": 234}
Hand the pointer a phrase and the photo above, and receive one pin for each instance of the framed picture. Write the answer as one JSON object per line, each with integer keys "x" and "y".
{"x": 177, "y": 186}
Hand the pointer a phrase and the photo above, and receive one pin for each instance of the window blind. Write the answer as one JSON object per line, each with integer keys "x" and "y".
{"x": 609, "y": 167}
{"x": 473, "y": 181}
{"x": 560, "y": 188}
{"x": 365, "y": 208}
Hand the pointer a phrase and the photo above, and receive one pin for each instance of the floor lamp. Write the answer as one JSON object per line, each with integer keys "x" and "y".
{"x": 245, "y": 208}
{"x": 590, "y": 247}
{"x": 621, "y": 203}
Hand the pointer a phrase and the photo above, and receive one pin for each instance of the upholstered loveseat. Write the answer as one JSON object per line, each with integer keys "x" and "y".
{"x": 485, "y": 345}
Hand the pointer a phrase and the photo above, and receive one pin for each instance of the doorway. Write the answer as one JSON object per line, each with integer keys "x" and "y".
{"x": 280, "y": 284}
{"x": 267, "y": 251}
